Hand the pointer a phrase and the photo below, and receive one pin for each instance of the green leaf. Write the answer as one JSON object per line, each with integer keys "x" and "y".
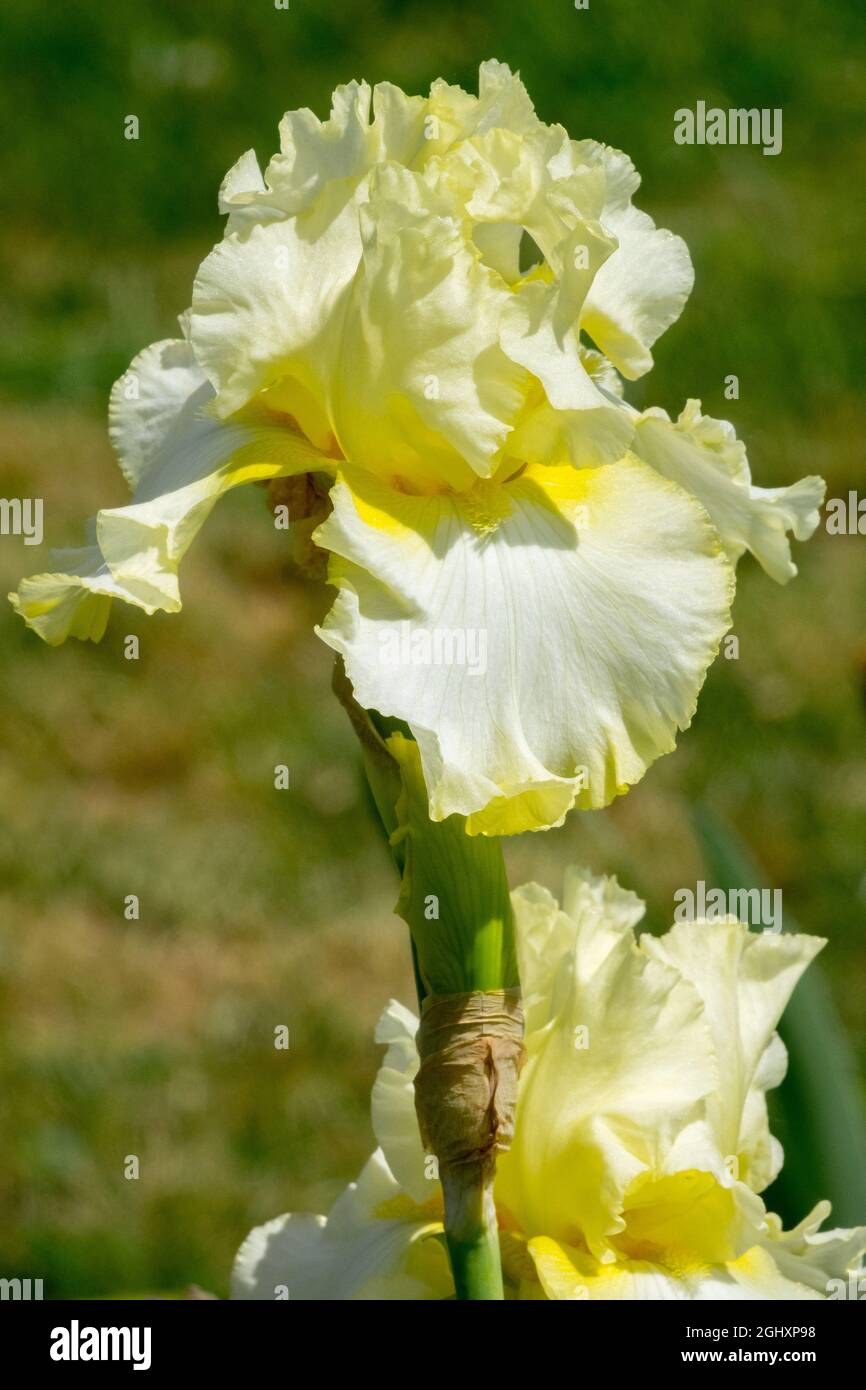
{"x": 817, "y": 1113}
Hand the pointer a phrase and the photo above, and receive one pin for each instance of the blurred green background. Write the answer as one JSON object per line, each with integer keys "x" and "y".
{"x": 261, "y": 907}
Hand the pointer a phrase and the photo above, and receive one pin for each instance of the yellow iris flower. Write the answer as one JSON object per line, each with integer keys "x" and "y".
{"x": 641, "y": 1139}
{"x": 370, "y": 316}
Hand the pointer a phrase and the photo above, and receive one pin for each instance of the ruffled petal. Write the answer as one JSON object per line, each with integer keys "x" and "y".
{"x": 745, "y": 979}
{"x": 161, "y": 395}
{"x": 705, "y": 456}
{"x": 618, "y": 1059}
{"x": 353, "y": 1254}
{"x": 543, "y": 639}
{"x": 244, "y": 197}
{"x": 74, "y": 602}
{"x": 822, "y": 1260}
{"x": 568, "y": 418}
{"x": 756, "y": 1275}
{"x": 511, "y": 184}
{"x": 595, "y": 910}
{"x": 322, "y": 164}
{"x": 566, "y": 1273}
{"x": 640, "y": 291}
{"x": 182, "y": 460}
{"x": 314, "y": 153}
{"x": 267, "y": 305}
{"x": 373, "y": 263}
{"x": 380, "y": 1239}
{"x": 395, "y": 1123}
{"x": 422, "y": 390}
{"x": 320, "y": 158}
{"x": 502, "y": 101}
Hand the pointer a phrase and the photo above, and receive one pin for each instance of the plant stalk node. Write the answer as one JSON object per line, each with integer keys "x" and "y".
{"x": 471, "y": 1051}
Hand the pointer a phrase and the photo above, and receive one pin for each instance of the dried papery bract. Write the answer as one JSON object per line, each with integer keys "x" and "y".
{"x": 471, "y": 1051}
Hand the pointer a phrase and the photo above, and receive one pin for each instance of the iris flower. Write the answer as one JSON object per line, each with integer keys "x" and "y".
{"x": 641, "y": 1139}
{"x": 428, "y": 304}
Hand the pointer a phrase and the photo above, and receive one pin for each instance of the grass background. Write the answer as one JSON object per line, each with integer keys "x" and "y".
{"x": 155, "y": 777}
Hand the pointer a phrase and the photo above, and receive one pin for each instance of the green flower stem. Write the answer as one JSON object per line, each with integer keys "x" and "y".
{"x": 473, "y": 1243}
{"x": 455, "y": 900}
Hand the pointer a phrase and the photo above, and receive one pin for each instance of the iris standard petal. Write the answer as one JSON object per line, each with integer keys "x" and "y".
{"x": 619, "y": 1058}
{"x": 640, "y": 291}
{"x": 745, "y": 979}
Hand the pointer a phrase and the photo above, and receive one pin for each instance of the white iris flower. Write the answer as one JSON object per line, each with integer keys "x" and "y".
{"x": 641, "y": 1138}
{"x": 370, "y": 318}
